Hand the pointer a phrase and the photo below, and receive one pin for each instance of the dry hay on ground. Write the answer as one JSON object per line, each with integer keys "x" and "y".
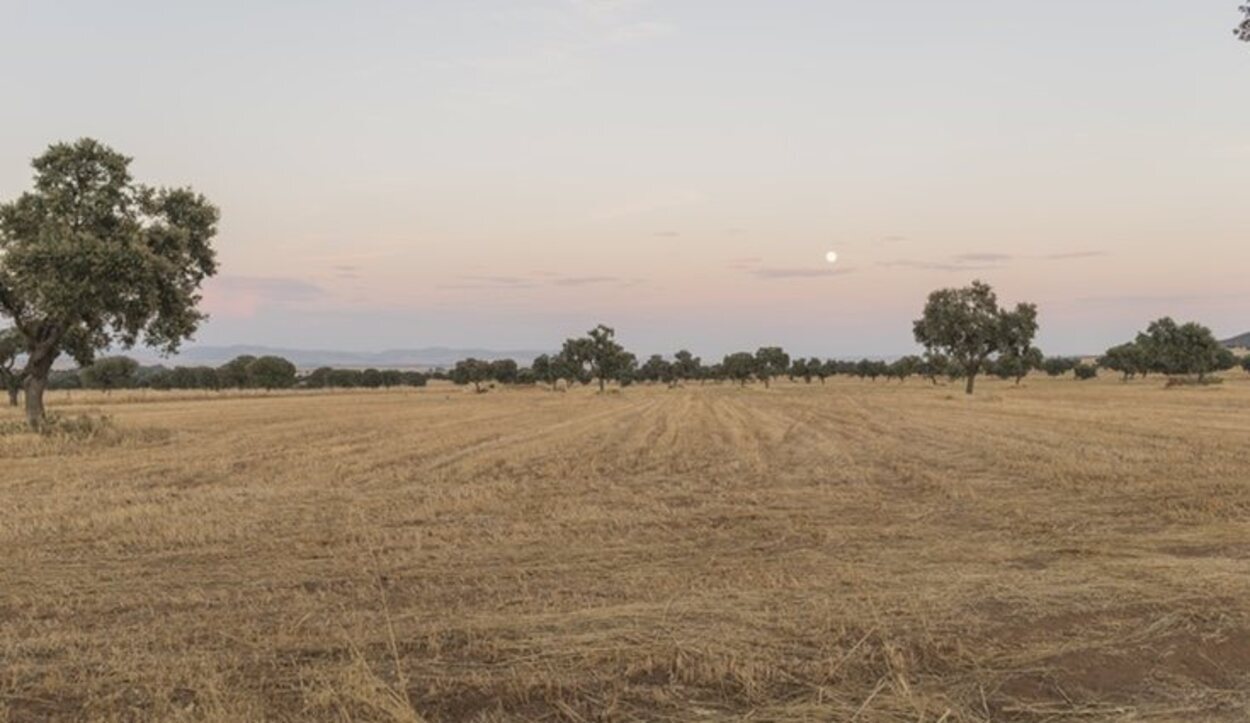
{"x": 877, "y": 552}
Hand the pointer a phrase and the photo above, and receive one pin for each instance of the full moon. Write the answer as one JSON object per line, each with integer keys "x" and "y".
{"x": 831, "y": 257}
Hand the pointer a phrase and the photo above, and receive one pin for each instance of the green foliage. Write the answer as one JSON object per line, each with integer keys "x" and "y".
{"x": 1057, "y": 366}
{"x": 770, "y": 361}
{"x": 904, "y": 367}
{"x": 109, "y": 373}
{"x": 270, "y": 372}
{"x": 1085, "y": 371}
{"x": 234, "y": 372}
{"x": 739, "y": 367}
{"x": 1128, "y": 359}
{"x": 90, "y": 260}
{"x": 656, "y": 369}
{"x": 471, "y": 371}
{"x": 597, "y": 356}
{"x": 687, "y": 366}
{"x": 967, "y": 326}
{"x": 1189, "y": 348}
{"x": 504, "y": 371}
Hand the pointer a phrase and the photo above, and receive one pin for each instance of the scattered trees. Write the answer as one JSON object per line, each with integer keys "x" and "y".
{"x": 1189, "y": 348}
{"x": 967, "y": 326}
{"x": 91, "y": 260}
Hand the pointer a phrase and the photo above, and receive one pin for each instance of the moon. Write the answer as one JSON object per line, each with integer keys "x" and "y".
{"x": 831, "y": 257}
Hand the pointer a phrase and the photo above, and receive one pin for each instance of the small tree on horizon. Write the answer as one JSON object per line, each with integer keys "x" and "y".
{"x": 271, "y": 372}
{"x": 109, "y": 373}
{"x": 597, "y": 355}
{"x": 771, "y": 361}
{"x": 739, "y": 367}
{"x": 471, "y": 371}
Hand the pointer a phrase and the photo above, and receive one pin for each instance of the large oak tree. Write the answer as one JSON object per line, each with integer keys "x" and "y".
{"x": 90, "y": 260}
{"x": 967, "y": 327}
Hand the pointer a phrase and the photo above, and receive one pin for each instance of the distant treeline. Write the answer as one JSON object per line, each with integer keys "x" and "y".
{"x": 244, "y": 372}
{"x": 964, "y": 331}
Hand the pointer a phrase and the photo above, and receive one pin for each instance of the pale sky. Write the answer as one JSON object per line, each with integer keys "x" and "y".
{"x": 507, "y": 173}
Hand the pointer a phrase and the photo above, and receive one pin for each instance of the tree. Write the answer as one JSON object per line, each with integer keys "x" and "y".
{"x": 1018, "y": 356}
{"x": 933, "y": 366}
{"x": 626, "y": 369}
{"x": 824, "y": 370}
{"x": 686, "y": 366}
{"x": 504, "y": 371}
{"x": 1057, "y": 366}
{"x": 1189, "y": 348}
{"x": 371, "y": 378}
{"x": 1128, "y": 359}
{"x": 91, "y": 260}
{"x": 656, "y": 369}
{"x": 546, "y": 370}
{"x": 10, "y": 375}
{"x": 739, "y": 367}
{"x": 109, "y": 373}
{"x": 904, "y": 367}
{"x": 270, "y": 372}
{"x": 319, "y": 378}
{"x": 1084, "y": 372}
{"x": 800, "y": 369}
{"x": 968, "y": 326}
{"x": 1243, "y": 28}
{"x": 1017, "y": 364}
{"x": 770, "y": 361}
{"x": 471, "y": 371}
{"x": 597, "y": 355}
{"x": 233, "y": 374}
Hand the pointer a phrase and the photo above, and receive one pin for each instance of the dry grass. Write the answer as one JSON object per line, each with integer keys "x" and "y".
{"x": 855, "y": 551}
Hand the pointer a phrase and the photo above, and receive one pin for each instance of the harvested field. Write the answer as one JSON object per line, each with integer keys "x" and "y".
{"x": 848, "y": 551}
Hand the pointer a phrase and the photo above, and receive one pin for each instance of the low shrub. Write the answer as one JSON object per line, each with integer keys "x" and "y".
{"x": 1193, "y": 381}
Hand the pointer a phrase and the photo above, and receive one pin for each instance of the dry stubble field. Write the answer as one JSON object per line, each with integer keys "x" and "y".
{"x": 853, "y": 551}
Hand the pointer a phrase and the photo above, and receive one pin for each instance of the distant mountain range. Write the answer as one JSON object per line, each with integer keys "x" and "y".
{"x": 1241, "y": 340}
{"x": 421, "y": 358}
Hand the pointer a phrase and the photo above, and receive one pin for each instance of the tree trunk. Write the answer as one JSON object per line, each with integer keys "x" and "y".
{"x": 968, "y": 387}
{"x": 601, "y": 385}
{"x": 35, "y": 384}
{"x": 38, "y": 367}
{"x": 13, "y": 395}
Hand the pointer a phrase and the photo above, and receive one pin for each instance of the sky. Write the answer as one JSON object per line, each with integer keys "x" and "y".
{"x": 508, "y": 173}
